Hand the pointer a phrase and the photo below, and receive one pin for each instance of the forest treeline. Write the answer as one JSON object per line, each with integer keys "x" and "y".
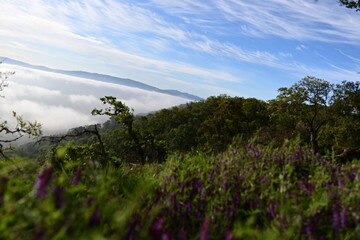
{"x": 322, "y": 115}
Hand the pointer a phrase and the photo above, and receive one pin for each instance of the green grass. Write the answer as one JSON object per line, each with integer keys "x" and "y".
{"x": 252, "y": 192}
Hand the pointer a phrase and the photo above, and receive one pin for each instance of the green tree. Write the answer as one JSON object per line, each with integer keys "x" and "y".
{"x": 124, "y": 116}
{"x": 233, "y": 116}
{"x": 307, "y": 102}
{"x": 344, "y": 132}
{"x": 351, "y": 4}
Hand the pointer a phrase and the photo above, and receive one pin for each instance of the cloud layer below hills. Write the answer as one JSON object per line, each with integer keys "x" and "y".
{"x": 60, "y": 102}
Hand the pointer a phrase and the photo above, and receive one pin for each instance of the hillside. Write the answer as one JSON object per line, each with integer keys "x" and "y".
{"x": 105, "y": 78}
{"x": 221, "y": 168}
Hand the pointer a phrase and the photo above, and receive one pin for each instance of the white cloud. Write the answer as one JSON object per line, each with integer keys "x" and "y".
{"x": 134, "y": 38}
{"x": 301, "y": 47}
{"x": 54, "y": 118}
{"x": 75, "y": 98}
{"x": 285, "y": 55}
{"x": 73, "y": 26}
{"x": 15, "y": 91}
{"x": 291, "y": 19}
{"x": 65, "y": 102}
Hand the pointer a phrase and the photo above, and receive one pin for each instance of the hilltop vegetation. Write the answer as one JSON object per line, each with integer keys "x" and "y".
{"x": 221, "y": 168}
{"x": 323, "y": 116}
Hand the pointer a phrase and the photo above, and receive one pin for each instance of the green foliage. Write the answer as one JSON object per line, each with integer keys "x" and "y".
{"x": 119, "y": 111}
{"x": 251, "y": 191}
{"x": 351, "y": 4}
{"x": 188, "y": 186}
{"x": 307, "y": 102}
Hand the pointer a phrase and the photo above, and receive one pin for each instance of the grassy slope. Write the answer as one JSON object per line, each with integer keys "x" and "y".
{"x": 247, "y": 192}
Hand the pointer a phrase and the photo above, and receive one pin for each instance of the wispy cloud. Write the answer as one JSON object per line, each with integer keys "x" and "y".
{"x": 74, "y": 26}
{"x": 192, "y": 43}
{"x": 291, "y": 19}
{"x": 301, "y": 47}
{"x": 54, "y": 24}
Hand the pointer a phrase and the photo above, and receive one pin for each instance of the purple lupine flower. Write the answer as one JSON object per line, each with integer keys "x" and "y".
{"x": 343, "y": 218}
{"x": 249, "y": 148}
{"x": 263, "y": 180}
{"x": 272, "y": 209}
{"x": 174, "y": 202}
{"x": 156, "y": 229}
{"x": 237, "y": 199}
{"x": 228, "y": 236}
{"x": 198, "y": 213}
{"x": 306, "y": 186}
{"x": 188, "y": 208}
{"x": 42, "y": 182}
{"x": 309, "y": 230}
{"x": 224, "y": 185}
{"x": 94, "y": 219}
{"x": 165, "y": 236}
{"x": 351, "y": 176}
{"x": 282, "y": 223}
{"x": 59, "y": 196}
{"x": 336, "y": 217}
{"x": 341, "y": 182}
{"x": 76, "y": 178}
{"x": 205, "y": 229}
{"x": 298, "y": 153}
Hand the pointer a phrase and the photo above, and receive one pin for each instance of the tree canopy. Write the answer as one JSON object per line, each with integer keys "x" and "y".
{"x": 351, "y": 4}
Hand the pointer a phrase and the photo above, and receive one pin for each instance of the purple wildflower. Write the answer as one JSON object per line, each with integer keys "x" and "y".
{"x": 76, "y": 179}
{"x": 166, "y": 236}
{"x": 298, "y": 153}
{"x": 228, "y": 236}
{"x": 273, "y": 209}
{"x": 306, "y": 186}
{"x": 205, "y": 229}
{"x": 249, "y": 148}
{"x": 59, "y": 196}
{"x": 42, "y": 182}
{"x": 156, "y": 229}
{"x": 336, "y": 217}
{"x": 89, "y": 202}
{"x": 94, "y": 218}
{"x": 263, "y": 180}
{"x": 188, "y": 208}
{"x": 341, "y": 182}
{"x": 343, "y": 217}
{"x": 309, "y": 229}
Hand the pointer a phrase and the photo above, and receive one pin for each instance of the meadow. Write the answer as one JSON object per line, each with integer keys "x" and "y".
{"x": 249, "y": 191}
{"x": 220, "y": 168}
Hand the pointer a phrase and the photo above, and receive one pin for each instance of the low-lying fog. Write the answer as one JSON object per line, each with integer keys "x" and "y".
{"x": 60, "y": 102}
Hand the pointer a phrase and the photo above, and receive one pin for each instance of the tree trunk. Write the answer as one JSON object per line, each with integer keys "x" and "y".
{"x": 313, "y": 141}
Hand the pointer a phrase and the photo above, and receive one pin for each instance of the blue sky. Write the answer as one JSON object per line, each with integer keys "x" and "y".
{"x": 235, "y": 47}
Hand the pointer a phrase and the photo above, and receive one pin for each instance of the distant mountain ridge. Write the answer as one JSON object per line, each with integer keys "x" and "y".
{"x": 105, "y": 78}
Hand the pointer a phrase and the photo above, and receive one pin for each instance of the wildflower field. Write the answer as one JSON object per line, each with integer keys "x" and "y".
{"x": 247, "y": 192}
